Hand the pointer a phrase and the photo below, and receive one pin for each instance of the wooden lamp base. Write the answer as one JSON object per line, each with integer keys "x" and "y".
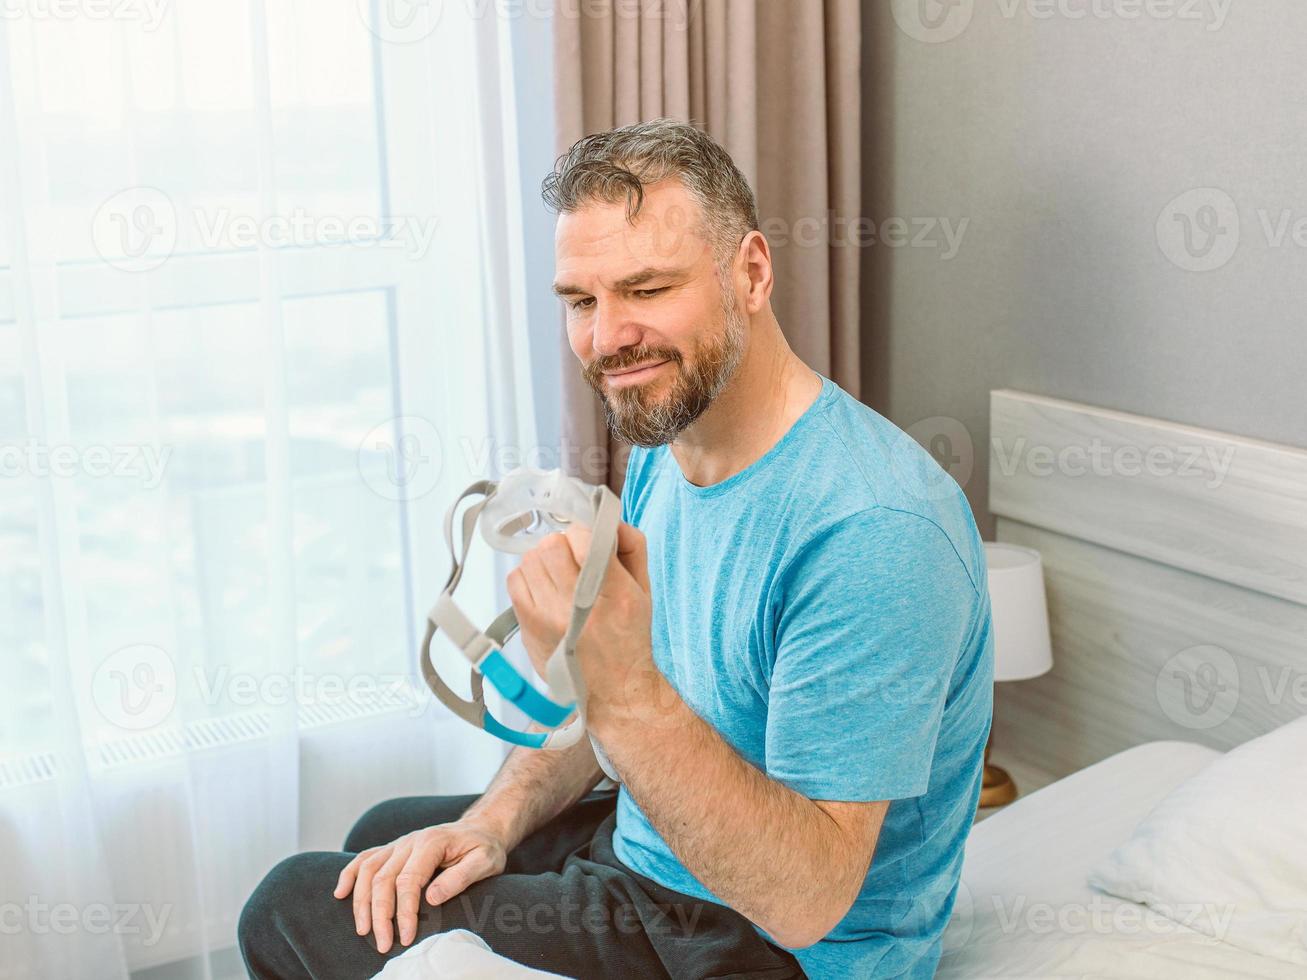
{"x": 997, "y": 788}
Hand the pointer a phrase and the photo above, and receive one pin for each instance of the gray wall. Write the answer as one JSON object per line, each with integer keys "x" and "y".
{"x": 1063, "y": 141}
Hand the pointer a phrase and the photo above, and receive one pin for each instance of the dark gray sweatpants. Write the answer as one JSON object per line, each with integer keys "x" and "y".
{"x": 564, "y": 903}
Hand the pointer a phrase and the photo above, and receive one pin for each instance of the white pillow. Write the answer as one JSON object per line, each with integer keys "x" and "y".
{"x": 457, "y": 955}
{"x": 1225, "y": 853}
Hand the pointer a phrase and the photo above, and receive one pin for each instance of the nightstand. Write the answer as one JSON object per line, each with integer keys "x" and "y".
{"x": 1029, "y": 778}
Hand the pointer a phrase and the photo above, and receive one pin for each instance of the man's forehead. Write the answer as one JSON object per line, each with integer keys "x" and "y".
{"x": 599, "y": 238}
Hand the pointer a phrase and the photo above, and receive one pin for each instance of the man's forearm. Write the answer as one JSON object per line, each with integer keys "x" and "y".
{"x": 532, "y": 787}
{"x": 770, "y": 853}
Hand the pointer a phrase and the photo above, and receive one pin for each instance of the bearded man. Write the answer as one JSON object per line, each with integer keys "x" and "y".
{"x": 789, "y": 665}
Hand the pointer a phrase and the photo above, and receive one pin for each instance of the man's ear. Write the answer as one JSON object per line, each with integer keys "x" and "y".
{"x": 756, "y": 254}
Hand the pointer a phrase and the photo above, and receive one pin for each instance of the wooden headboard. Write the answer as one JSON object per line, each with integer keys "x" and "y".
{"x": 1176, "y": 566}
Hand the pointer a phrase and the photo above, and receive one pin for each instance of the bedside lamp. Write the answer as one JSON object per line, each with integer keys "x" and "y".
{"x": 1022, "y": 648}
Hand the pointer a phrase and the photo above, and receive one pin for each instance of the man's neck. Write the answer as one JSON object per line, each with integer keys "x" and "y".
{"x": 768, "y": 393}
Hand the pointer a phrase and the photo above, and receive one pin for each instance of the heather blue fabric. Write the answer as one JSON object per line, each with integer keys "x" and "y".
{"x": 826, "y": 610}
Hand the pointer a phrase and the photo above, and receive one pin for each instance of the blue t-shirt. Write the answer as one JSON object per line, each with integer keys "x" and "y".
{"x": 826, "y": 610}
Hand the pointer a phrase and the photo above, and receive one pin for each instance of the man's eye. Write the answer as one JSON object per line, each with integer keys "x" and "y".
{"x": 581, "y": 304}
{"x": 646, "y": 293}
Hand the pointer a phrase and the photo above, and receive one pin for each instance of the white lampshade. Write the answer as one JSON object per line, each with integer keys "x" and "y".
{"x": 1022, "y": 648}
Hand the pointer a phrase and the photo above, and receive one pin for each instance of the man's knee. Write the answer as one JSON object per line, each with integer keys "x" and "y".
{"x": 392, "y": 819}
{"x": 294, "y": 896}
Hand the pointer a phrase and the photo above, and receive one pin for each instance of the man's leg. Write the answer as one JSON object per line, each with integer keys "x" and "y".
{"x": 292, "y": 926}
{"x": 591, "y": 917}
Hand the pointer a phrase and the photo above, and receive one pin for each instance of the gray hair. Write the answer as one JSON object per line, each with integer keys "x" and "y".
{"x": 618, "y": 164}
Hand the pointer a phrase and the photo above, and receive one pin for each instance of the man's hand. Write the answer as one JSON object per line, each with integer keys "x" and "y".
{"x": 387, "y": 881}
{"x": 548, "y": 571}
{"x": 615, "y": 649}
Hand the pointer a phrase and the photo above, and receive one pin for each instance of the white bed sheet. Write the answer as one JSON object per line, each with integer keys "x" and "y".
{"x": 1025, "y": 909}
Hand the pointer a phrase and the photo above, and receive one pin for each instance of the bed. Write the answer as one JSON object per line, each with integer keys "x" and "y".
{"x": 1026, "y": 910}
{"x": 1175, "y": 562}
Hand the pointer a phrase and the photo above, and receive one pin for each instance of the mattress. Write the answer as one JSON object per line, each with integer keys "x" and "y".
{"x": 1025, "y": 910}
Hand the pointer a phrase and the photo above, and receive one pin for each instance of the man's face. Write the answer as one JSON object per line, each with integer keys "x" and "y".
{"x": 657, "y": 335}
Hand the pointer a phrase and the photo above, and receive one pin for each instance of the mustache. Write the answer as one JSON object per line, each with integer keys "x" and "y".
{"x": 620, "y": 362}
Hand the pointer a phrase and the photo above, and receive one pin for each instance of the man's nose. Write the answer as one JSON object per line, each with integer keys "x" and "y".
{"x": 614, "y": 328}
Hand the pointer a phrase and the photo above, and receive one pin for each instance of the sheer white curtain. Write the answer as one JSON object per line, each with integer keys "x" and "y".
{"x": 262, "y": 312}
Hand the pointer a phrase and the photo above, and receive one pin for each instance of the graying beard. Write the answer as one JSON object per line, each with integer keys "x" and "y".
{"x": 663, "y": 422}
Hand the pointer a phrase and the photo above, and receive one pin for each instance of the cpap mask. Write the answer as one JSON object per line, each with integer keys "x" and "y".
{"x": 514, "y": 515}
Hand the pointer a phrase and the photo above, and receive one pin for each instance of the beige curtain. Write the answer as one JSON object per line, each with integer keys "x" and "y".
{"x": 776, "y": 82}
